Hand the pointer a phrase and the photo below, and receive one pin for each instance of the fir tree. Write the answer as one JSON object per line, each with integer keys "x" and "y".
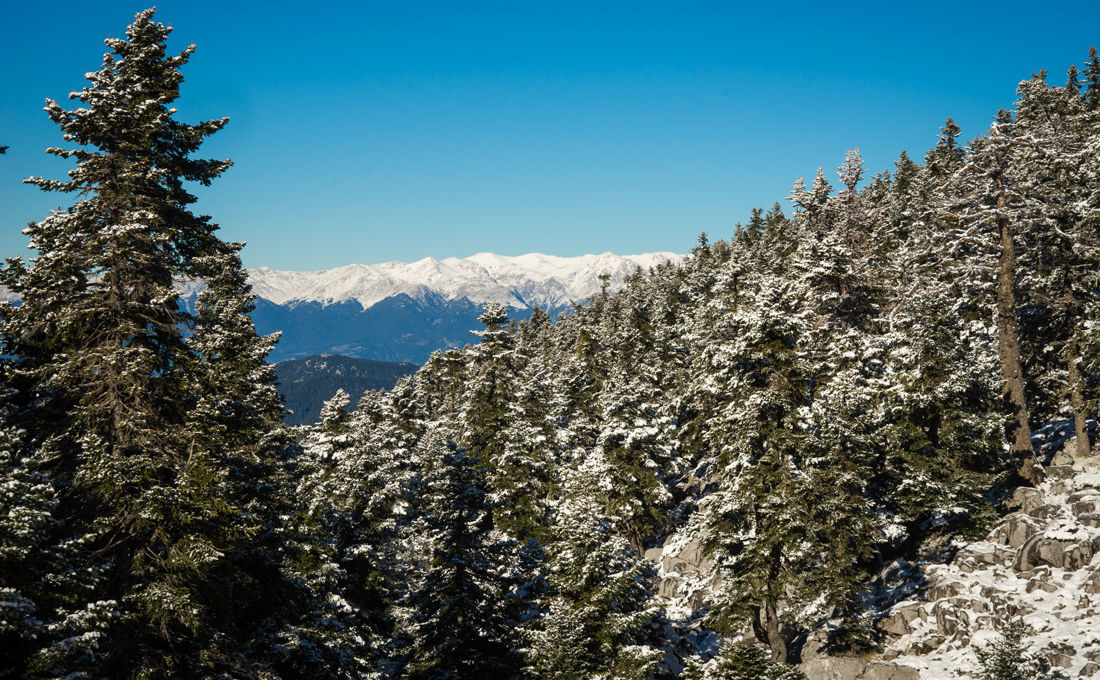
{"x": 156, "y": 529}
{"x": 454, "y": 619}
{"x": 989, "y": 222}
{"x": 741, "y": 661}
{"x": 947, "y": 156}
{"x": 1005, "y": 658}
{"x": 593, "y": 621}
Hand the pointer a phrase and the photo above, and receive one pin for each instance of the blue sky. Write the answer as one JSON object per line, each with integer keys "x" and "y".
{"x": 368, "y": 131}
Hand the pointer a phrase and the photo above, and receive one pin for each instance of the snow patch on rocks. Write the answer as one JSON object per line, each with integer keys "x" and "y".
{"x": 1041, "y": 564}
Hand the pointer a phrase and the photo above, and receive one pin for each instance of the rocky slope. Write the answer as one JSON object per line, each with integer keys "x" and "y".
{"x": 1040, "y": 564}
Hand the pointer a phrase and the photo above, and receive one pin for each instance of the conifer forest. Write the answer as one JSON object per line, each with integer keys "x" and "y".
{"x": 735, "y": 466}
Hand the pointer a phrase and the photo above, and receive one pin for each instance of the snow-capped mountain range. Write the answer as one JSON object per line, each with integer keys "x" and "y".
{"x": 520, "y": 282}
{"x": 398, "y": 311}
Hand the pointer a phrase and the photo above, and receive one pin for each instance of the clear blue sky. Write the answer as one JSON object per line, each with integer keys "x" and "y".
{"x": 373, "y": 131}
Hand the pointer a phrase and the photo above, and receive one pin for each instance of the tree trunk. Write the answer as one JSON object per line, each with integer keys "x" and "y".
{"x": 1017, "y": 428}
{"x": 773, "y": 631}
{"x": 1077, "y": 399}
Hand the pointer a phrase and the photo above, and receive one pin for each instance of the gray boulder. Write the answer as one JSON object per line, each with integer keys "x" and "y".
{"x": 1038, "y": 551}
{"x": 669, "y": 587}
{"x": 1037, "y": 584}
{"x": 690, "y": 559}
{"x": 1092, "y": 584}
{"x": 880, "y": 670}
{"x": 1025, "y": 499}
{"x": 1045, "y": 511}
{"x": 898, "y": 620}
{"x": 945, "y": 590}
{"x": 1059, "y": 471}
{"x": 1078, "y": 555}
{"x": 815, "y": 646}
{"x": 1015, "y": 530}
{"x": 833, "y": 668}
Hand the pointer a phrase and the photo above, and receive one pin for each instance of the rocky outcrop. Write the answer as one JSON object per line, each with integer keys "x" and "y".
{"x": 850, "y": 668}
{"x": 1041, "y": 564}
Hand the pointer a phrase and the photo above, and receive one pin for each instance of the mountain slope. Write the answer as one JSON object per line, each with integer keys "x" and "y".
{"x": 307, "y": 383}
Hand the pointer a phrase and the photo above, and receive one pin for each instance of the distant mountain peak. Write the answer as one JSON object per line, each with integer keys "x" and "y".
{"x": 520, "y": 281}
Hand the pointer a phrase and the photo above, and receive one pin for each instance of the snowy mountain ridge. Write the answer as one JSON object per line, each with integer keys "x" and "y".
{"x": 520, "y": 282}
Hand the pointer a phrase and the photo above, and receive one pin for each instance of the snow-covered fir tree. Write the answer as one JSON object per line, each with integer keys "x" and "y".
{"x": 455, "y": 619}
{"x": 593, "y": 622}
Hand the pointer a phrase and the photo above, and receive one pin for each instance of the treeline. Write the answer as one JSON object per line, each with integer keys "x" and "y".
{"x": 825, "y": 390}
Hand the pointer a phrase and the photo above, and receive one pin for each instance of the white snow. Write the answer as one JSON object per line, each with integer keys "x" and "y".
{"x": 519, "y": 282}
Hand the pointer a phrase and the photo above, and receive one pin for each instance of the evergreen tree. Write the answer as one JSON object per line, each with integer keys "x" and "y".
{"x": 741, "y": 661}
{"x": 1005, "y": 659}
{"x": 593, "y": 621}
{"x": 29, "y": 502}
{"x": 158, "y": 530}
{"x": 1092, "y": 80}
{"x": 1055, "y": 170}
{"x": 947, "y": 157}
{"x": 454, "y": 619}
{"x": 989, "y": 221}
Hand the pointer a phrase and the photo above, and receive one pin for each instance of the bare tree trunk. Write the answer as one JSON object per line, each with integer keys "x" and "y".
{"x": 1076, "y": 398}
{"x": 773, "y": 631}
{"x": 1017, "y": 428}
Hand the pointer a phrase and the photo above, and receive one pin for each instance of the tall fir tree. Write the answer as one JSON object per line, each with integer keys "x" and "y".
{"x": 593, "y": 621}
{"x": 454, "y": 621}
{"x": 156, "y": 525}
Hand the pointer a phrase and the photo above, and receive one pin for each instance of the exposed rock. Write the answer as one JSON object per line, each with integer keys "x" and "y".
{"x": 690, "y": 559}
{"x": 1090, "y": 519}
{"x": 1039, "y": 550}
{"x": 698, "y": 599}
{"x": 1059, "y": 654}
{"x": 1059, "y": 472}
{"x": 944, "y": 590}
{"x": 1084, "y": 507}
{"x": 879, "y": 670}
{"x": 1025, "y": 499}
{"x": 950, "y": 615}
{"x": 833, "y": 668}
{"x": 653, "y": 555}
{"x": 924, "y": 645}
{"x": 1092, "y": 584}
{"x": 1083, "y": 494}
{"x": 816, "y": 645}
{"x": 1061, "y": 487}
{"x": 898, "y": 620}
{"x": 669, "y": 587}
{"x": 1041, "y": 573}
{"x": 1029, "y": 556}
{"x": 1062, "y": 457}
{"x": 1079, "y": 555}
{"x": 1015, "y": 530}
{"x": 982, "y": 554}
{"x": 1090, "y": 669}
{"x": 1044, "y": 511}
{"x": 1035, "y": 584}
